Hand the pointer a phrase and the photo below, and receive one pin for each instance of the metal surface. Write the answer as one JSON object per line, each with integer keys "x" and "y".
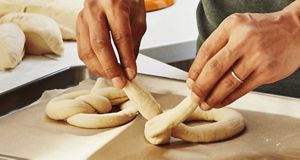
{"x": 24, "y": 95}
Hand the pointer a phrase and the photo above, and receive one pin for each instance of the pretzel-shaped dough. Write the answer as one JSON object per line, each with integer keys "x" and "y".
{"x": 81, "y": 108}
{"x": 160, "y": 126}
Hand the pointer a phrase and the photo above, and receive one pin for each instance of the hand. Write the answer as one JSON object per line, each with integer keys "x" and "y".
{"x": 258, "y": 48}
{"x": 125, "y": 20}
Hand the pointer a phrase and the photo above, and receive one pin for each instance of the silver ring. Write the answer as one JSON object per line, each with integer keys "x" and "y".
{"x": 235, "y": 76}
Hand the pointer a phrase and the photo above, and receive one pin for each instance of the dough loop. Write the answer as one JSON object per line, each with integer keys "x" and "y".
{"x": 161, "y": 126}
{"x": 89, "y": 109}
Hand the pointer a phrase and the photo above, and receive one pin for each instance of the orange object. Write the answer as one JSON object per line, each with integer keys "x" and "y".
{"x": 152, "y": 5}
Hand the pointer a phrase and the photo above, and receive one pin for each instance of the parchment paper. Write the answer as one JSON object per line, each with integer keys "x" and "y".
{"x": 30, "y": 134}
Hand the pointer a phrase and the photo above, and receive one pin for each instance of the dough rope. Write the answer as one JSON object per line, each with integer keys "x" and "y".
{"x": 81, "y": 108}
{"x": 161, "y": 126}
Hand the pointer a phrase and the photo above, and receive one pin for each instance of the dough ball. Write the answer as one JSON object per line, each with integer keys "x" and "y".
{"x": 12, "y": 41}
{"x": 42, "y": 33}
{"x": 64, "y": 12}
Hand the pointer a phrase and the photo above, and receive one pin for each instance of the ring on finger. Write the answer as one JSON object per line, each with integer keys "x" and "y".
{"x": 236, "y": 76}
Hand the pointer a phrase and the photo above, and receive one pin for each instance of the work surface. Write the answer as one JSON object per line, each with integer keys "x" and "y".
{"x": 29, "y": 133}
{"x": 35, "y": 67}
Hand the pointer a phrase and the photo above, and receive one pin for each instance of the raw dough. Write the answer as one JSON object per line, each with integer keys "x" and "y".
{"x": 146, "y": 103}
{"x": 160, "y": 127}
{"x": 81, "y": 108}
{"x": 64, "y": 12}
{"x": 127, "y": 113}
{"x": 228, "y": 123}
{"x": 12, "y": 41}
{"x": 41, "y": 32}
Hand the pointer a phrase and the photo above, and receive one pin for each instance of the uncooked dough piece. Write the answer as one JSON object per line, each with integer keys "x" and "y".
{"x": 41, "y": 32}
{"x": 127, "y": 113}
{"x": 81, "y": 108}
{"x": 228, "y": 123}
{"x": 64, "y": 12}
{"x": 8, "y": 6}
{"x": 115, "y": 95}
{"x": 145, "y": 102}
{"x": 12, "y": 41}
{"x": 66, "y": 105}
{"x": 160, "y": 127}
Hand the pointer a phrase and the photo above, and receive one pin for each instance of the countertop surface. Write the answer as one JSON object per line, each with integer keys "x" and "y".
{"x": 180, "y": 28}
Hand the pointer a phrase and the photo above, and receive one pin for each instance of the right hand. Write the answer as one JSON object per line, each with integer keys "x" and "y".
{"x": 126, "y": 20}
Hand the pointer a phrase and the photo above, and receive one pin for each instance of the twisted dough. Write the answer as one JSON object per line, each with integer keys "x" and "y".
{"x": 81, "y": 108}
{"x": 160, "y": 126}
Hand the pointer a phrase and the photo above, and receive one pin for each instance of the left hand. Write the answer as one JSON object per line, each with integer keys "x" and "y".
{"x": 258, "y": 48}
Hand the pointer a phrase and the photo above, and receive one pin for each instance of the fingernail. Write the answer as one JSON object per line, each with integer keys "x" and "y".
{"x": 204, "y": 106}
{"x": 118, "y": 82}
{"x": 195, "y": 98}
{"x": 189, "y": 83}
{"x": 130, "y": 73}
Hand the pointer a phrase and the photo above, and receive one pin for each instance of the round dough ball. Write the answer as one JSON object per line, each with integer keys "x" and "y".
{"x": 42, "y": 33}
{"x": 64, "y": 12}
{"x": 12, "y": 41}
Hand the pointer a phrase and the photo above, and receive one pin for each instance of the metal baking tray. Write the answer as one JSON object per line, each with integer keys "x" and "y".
{"x": 24, "y": 95}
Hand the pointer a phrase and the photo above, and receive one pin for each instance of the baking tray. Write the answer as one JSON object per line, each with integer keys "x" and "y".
{"x": 255, "y": 138}
{"x": 24, "y": 95}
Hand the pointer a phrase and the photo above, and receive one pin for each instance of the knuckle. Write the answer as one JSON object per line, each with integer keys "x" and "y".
{"x": 198, "y": 89}
{"x": 214, "y": 65}
{"x": 110, "y": 71}
{"x": 121, "y": 37}
{"x": 194, "y": 73}
{"x": 99, "y": 44}
{"x": 203, "y": 51}
{"x": 236, "y": 18}
{"x": 86, "y": 53}
{"x": 229, "y": 83}
{"x": 85, "y": 56}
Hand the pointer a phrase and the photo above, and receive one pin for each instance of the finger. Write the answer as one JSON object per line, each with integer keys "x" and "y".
{"x": 215, "y": 42}
{"x": 119, "y": 23}
{"x": 84, "y": 48}
{"x": 252, "y": 82}
{"x": 100, "y": 42}
{"x": 139, "y": 27}
{"x": 212, "y": 72}
{"x": 228, "y": 84}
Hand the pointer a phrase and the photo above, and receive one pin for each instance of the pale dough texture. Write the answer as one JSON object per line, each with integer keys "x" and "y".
{"x": 64, "y": 12}
{"x": 161, "y": 126}
{"x": 89, "y": 109}
{"x": 79, "y": 109}
{"x": 42, "y": 33}
{"x": 12, "y": 41}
